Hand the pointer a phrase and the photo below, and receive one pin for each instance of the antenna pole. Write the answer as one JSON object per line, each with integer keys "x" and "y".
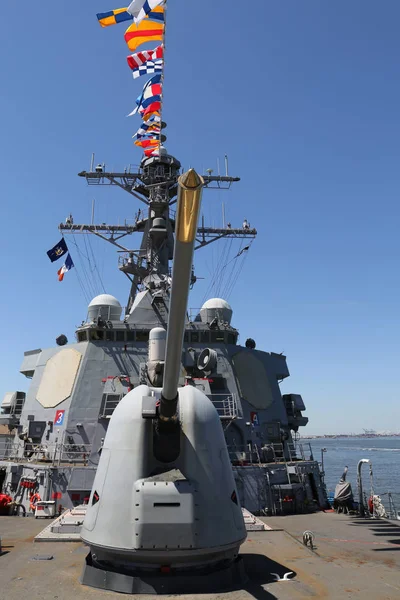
{"x": 93, "y": 202}
{"x": 226, "y": 165}
{"x": 223, "y": 215}
{"x": 92, "y": 163}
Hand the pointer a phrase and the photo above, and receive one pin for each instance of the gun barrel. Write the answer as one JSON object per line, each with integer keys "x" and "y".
{"x": 188, "y": 209}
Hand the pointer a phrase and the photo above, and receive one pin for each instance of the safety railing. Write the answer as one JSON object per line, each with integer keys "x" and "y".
{"x": 281, "y": 452}
{"x": 269, "y": 453}
{"x": 242, "y": 455}
{"x": 55, "y": 454}
{"x": 226, "y": 405}
{"x": 127, "y": 258}
{"x": 305, "y": 450}
{"x": 128, "y": 174}
{"x": 109, "y": 405}
{"x": 8, "y": 448}
{"x": 192, "y": 313}
{"x": 388, "y": 502}
{"x": 20, "y": 452}
{"x": 73, "y": 453}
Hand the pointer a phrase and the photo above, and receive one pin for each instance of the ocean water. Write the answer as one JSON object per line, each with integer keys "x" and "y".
{"x": 384, "y": 454}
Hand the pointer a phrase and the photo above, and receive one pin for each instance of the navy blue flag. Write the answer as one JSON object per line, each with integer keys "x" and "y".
{"x": 58, "y": 251}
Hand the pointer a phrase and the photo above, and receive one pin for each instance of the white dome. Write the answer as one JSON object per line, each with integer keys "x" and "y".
{"x": 216, "y": 303}
{"x": 216, "y": 307}
{"x": 157, "y": 333}
{"x": 105, "y": 306}
{"x": 104, "y": 300}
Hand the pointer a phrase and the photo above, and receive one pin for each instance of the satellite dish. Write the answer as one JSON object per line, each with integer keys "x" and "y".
{"x": 61, "y": 340}
{"x": 207, "y": 360}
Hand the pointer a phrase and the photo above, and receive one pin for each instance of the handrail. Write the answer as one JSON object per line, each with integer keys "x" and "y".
{"x": 54, "y": 454}
{"x": 269, "y": 453}
{"x": 225, "y": 404}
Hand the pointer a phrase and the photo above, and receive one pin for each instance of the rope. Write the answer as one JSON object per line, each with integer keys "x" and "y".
{"x": 219, "y": 273}
{"x": 230, "y": 276}
{"x": 223, "y": 285}
{"x": 94, "y": 262}
{"x": 243, "y": 253}
{"x": 90, "y": 290}
{"x": 221, "y": 279}
{"x": 238, "y": 273}
{"x": 91, "y": 269}
{"x": 83, "y": 290}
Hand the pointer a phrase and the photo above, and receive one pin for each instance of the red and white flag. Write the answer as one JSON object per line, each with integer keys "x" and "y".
{"x": 67, "y": 266}
{"x": 140, "y": 58}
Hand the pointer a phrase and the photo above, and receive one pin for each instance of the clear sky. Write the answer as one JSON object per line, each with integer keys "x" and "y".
{"x": 303, "y": 96}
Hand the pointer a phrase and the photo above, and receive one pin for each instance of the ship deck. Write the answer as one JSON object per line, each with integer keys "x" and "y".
{"x": 353, "y": 558}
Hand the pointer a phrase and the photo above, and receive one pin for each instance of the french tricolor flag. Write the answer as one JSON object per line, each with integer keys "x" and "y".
{"x": 67, "y": 266}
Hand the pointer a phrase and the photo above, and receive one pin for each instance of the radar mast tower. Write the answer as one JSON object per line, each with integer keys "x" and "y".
{"x": 155, "y": 184}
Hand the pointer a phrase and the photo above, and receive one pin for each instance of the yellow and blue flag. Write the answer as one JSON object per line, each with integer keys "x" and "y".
{"x": 157, "y": 14}
{"x": 119, "y": 15}
{"x": 112, "y": 17}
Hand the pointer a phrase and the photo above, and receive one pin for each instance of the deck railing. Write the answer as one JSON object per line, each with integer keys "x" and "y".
{"x": 226, "y": 405}
{"x": 55, "y": 454}
{"x": 269, "y": 453}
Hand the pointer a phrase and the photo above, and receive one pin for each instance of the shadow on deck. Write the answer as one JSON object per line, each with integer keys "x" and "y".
{"x": 387, "y": 531}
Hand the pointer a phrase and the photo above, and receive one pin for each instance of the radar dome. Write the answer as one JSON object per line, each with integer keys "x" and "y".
{"x": 105, "y": 306}
{"x": 216, "y": 308}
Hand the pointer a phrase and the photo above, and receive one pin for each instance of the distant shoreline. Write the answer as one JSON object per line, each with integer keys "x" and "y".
{"x": 349, "y": 435}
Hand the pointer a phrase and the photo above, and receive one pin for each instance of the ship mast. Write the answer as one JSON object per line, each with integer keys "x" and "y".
{"x": 154, "y": 183}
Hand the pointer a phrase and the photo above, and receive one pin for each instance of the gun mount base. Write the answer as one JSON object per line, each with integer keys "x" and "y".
{"x": 219, "y": 578}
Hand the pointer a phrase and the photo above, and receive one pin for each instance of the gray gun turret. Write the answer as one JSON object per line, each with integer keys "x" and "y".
{"x": 162, "y": 496}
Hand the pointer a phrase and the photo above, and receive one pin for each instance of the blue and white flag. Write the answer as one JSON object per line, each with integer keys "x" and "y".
{"x": 67, "y": 266}
{"x": 151, "y": 66}
{"x": 139, "y": 9}
{"x": 58, "y": 251}
{"x": 153, "y": 120}
{"x": 147, "y": 129}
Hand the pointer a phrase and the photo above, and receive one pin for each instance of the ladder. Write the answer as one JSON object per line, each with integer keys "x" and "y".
{"x": 160, "y": 308}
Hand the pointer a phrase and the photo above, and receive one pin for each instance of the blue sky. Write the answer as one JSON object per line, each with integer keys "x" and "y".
{"x": 304, "y": 97}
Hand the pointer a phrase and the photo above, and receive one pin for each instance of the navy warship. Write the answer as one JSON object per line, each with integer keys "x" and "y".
{"x": 80, "y": 442}
{"x": 53, "y": 435}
